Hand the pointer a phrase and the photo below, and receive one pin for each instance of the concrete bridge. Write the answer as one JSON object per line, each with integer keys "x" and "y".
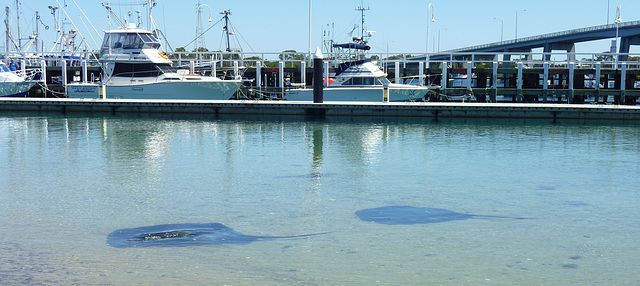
{"x": 629, "y": 33}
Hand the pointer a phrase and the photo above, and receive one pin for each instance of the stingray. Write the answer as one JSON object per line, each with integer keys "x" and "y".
{"x": 193, "y": 234}
{"x": 414, "y": 215}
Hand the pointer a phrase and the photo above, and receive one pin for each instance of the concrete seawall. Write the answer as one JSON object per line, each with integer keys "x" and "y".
{"x": 405, "y": 109}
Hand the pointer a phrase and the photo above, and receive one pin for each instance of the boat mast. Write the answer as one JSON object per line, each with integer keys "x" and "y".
{"x": 8, "y": 33}
{"x": 362, "y": 9}
{"x": 113, "y": 14}
{"x": 37, "y": 35}
{"x": 18, "y": 19}
{"x": 226, "y": 27}
{"x": 152, "y": 3}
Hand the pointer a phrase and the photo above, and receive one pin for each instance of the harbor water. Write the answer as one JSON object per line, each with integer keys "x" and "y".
{"x": 546, "y": 203}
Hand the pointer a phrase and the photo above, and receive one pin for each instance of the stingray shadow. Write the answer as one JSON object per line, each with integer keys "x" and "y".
{"x": 191, "y": 234}
{"x": 414, "y": 215}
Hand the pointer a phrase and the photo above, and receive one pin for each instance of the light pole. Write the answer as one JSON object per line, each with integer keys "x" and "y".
{"x": 198, "y": 23}
{"x": 501, "y": 28}
{"x": 439, "y": 38}
{"x": 517, "y": 22}
{"x": 429, "y": 19}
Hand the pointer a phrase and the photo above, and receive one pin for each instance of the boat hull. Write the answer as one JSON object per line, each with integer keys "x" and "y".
{"x": 369, "y": 94}
{"x": 204, "y": 90}
{"x": 15, "y": 89}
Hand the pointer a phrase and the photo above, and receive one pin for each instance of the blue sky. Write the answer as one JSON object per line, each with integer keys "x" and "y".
{"x": 274, "y": 26}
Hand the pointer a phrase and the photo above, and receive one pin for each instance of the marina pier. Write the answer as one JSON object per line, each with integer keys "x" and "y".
{"x": 320, "y": 110}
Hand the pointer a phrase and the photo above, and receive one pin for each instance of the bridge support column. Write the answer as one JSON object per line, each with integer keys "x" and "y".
{"x": 570, "y": 48}
{"x": 625, "y": 45}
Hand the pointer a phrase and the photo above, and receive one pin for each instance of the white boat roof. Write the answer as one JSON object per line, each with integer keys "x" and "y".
{"x": 127, "y": 31}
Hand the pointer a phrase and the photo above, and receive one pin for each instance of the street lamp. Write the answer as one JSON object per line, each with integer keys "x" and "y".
{"x": 198, "y": 20}
{"x": 501, "y": 28}
{"x": 517, "y": 22}
{"x": 439, "y": 38}
{"x": 429, "y": 19}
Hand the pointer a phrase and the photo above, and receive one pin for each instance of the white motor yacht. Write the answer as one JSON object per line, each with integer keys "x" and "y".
{"x": 134, "y": 68}
{"x": 11, "y": 84}
{"x": 361, "y": 81}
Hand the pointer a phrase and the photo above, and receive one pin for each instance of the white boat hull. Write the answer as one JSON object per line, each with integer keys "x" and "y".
{"x": 370, "y": 94}
{"x": 15, "y": 88}
{"x": 203, "y": 90}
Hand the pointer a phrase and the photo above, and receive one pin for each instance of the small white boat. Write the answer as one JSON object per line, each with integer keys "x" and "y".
{"x": 134, "y": 68}
{"x": 11, "y": 84}
{"x": 361, "y": 81}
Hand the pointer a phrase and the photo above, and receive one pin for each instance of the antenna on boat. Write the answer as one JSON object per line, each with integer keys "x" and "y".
{"x": 226, "y": 27}
{"x": 362, "y": 9}
{"x": 112, "y": 13}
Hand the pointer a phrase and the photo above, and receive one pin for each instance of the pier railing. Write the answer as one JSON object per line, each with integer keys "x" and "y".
{"x": 292, "y": 59}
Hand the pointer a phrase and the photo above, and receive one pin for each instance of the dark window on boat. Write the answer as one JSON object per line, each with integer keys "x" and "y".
{"x": 117, "y": 40}
{"x": 135, "y": 70}
{"x": 106, "y": 43}
{"x": 150, "y": 42}
{"x": 4, "y": 68}
{"x": 165, "y": 68}
{"x": 362, "y": 81}
{"x": 132, "y": 41}
{"x": 141, "y": 70}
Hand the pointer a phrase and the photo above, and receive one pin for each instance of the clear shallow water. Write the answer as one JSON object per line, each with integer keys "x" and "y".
{"x": 67, "y": 182}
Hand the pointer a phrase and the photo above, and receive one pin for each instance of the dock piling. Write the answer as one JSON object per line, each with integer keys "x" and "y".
{"x": 469, "y": 79}
{"x": 545, "y": 82}
{"x": 444, "y": 80}
{"x": 84, "y": 71}
{"x": 623, "y": 82}
{"x": 519, "y": 81}
{"x": 397, "y": 72}
{"x": 494, "y": 83}
{"x": 421, "y": 73}
{"x": 571, "y": 82}
{"x": 317, "y": 77}
{"x": 64, "y": 74}
{"x": 597, "y": 83}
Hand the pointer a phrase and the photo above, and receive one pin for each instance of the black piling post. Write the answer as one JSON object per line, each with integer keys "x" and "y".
{"x": 318, "y": 97}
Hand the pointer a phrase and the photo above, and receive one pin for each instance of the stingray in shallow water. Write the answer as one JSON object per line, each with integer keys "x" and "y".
{"x": 193, "y": 234}
{"x": 414, "y": 215}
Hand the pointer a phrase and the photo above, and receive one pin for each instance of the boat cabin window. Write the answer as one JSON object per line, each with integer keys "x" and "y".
{"x": 4, "y": 68}
{"x": 150, "y": 42}
{"x": 130, "y": 41}
{"x": 165, "y": 68}
{"x": 141, "y": 70}
{"x": 363, "y": 81}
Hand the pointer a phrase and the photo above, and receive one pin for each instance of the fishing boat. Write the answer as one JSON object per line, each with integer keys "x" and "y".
{"x": 11, "y": 84}
{"x": 134, "y": 68}
{"x": 361, "y": 80}
{"x": 358, "y": 78}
